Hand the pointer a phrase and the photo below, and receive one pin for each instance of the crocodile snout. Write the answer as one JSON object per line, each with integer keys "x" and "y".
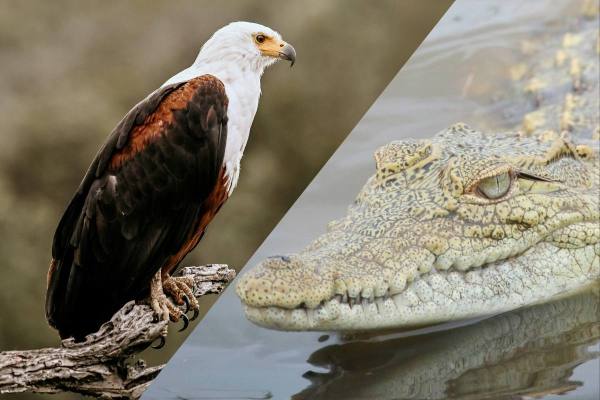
{"x": 284, "y": 281}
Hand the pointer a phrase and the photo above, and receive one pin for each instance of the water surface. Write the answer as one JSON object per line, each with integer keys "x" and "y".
{"x": 547, "y": 350}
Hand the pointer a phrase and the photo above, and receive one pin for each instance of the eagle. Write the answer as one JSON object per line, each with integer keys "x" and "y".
{"x": 156, "y": 183}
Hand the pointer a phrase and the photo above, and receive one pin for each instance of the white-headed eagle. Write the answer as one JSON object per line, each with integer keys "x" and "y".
{"x": 156, "y": 183}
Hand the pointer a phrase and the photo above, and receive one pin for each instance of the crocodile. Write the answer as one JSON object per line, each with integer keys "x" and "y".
{"x": 464, "y": 224}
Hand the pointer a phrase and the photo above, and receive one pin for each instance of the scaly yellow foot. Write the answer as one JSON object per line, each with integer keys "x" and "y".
{"x": 180, "y": 288}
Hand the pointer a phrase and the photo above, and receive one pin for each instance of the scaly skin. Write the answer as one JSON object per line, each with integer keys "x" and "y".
{"x": 462, "y": 225}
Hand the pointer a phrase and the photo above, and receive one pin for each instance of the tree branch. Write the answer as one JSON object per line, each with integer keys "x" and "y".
{"x": 98, "y": 367}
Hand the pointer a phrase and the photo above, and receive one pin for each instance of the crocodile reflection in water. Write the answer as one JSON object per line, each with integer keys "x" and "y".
{"x": 531, "y": 351}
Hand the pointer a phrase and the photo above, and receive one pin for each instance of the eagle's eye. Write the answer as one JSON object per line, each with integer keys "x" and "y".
{"x": 260, "y": 38}
{"x": 496, "y": 186}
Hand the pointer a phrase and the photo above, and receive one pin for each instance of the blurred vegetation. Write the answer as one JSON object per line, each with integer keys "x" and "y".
{"x": 71, "y": 69}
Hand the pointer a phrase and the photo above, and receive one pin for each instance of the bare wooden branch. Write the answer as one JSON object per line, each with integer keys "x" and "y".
{"x": 98, "y": 367}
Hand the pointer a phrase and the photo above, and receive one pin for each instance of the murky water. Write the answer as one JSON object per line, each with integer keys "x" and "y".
{"x": 547, "y": 350}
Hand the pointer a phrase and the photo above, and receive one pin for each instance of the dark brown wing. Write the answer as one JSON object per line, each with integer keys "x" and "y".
{"x": 138, "y": 204}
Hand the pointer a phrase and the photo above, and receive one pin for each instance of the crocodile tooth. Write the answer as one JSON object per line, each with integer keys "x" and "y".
{"x": 340, "y": 287}
{"x": 353, "y": 289}
{"x": 351, "y": 301}
{"x": 379, "y": 304}
{"x": 380, "y": 289}
{"x": 367, "y": 293}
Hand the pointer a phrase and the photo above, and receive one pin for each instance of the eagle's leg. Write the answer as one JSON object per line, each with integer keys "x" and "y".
{"x": 162, "y": 306}
{"x": 158, "y": 300}
{"x": 181, "y": 289}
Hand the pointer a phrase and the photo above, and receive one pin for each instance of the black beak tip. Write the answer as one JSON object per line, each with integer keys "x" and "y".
{"x": 288, "y": 53}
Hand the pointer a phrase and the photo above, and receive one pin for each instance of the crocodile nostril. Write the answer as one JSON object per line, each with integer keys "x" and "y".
{"x": 285, "y": 259}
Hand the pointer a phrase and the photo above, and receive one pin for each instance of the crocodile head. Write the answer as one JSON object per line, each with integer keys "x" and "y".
{"x": 462, "y": 225}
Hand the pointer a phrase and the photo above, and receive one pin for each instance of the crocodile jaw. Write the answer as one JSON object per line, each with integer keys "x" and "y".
{"x": 440, "y": 296}
{"x": 422, "y": 245}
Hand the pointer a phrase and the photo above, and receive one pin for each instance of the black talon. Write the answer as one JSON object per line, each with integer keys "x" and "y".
{"x": 161, "y": 344}
{"x": 186, "y": 322}
{"x": 196, "y": 313}
{"x": 186, "y": 300}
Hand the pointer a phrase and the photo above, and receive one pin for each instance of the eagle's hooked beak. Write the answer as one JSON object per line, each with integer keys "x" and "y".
{"x": 287, "y": 52}
{"x": 276, "y": 48}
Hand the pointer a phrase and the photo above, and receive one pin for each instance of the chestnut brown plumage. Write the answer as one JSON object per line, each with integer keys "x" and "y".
{"x": 143, "y": 204}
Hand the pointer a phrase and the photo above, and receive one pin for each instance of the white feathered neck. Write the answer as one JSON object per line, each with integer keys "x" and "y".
{"x": 231, "y": 56}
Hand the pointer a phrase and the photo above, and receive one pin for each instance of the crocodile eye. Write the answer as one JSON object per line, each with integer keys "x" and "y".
{"x": 496, "y": 186}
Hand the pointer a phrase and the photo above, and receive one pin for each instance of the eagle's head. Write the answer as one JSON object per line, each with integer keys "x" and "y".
{"x": 253, "y": 45}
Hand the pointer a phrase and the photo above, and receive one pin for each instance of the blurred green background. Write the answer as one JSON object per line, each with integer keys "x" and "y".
{"x": 69, "y": 70}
